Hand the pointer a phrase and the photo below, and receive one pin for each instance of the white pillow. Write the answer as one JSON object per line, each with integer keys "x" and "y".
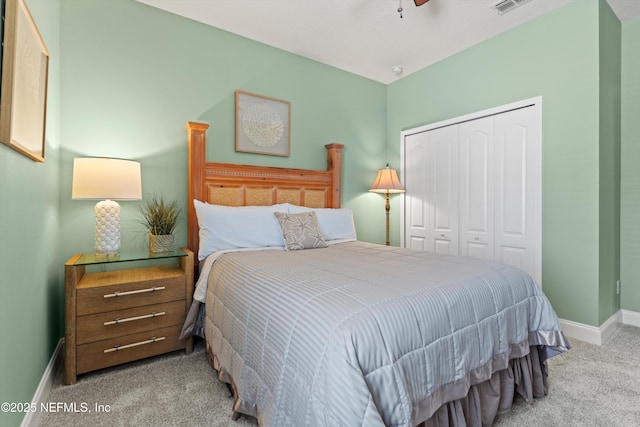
{"x": 227, "y": 227}
{"x": 334, "y": 223}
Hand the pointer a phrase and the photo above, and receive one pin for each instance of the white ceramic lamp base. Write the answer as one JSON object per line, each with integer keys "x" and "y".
{"x": 107, "y": 229}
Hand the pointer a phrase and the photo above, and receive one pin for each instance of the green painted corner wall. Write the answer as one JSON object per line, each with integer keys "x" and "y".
{"x": 630, "y": 175}
{"x": 610, "y": 31}
{"x": 31, "y": 284}
{"x": 556, "y": 57}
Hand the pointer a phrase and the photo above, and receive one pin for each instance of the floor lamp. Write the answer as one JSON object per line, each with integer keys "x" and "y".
{"x": 387, "y": 182}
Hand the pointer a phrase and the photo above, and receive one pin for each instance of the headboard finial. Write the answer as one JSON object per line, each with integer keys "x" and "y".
{"x": 334, "y": 164}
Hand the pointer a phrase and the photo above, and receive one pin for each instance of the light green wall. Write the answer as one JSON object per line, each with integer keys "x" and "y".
{"x": 609, "y": 174}
{"x": 630, "y": 198}
{"x": 130, "y": 88}
{"x": 31, "y": 281}
{"x": 556, "y": 57}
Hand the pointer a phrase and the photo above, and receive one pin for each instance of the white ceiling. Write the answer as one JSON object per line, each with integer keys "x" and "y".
{"x": 368, "y": 37}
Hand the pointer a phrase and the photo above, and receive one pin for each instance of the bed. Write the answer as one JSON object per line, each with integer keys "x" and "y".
{"x": 309, "y": 326}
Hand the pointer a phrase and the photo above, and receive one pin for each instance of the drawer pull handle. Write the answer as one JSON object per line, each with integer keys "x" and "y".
{"x": 138, "y": 291}
{"x": 135, "y": 344}
{"x": 129, "y": 319}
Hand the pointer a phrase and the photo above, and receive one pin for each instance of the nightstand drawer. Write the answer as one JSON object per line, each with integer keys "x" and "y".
{"x": 167, "y": 284}
{"x": 112, "y": 324}
{"x": 114, "y": 351}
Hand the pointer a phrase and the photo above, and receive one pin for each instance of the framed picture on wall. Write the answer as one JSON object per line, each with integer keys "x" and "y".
{"x": 262, "y": 124}
{"x": 25, "y": 67}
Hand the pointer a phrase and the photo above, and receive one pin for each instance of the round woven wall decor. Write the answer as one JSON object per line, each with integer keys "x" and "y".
{"x": 262, "y": 125}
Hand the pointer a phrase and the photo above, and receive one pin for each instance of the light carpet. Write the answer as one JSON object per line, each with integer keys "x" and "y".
{"x": 589, "y": 386}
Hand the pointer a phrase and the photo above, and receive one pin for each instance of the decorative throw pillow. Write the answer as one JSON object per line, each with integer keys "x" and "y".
{"x": 300, "y": 231}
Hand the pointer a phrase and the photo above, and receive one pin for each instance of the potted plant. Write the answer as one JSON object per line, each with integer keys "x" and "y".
{"x": 160, "y": 217}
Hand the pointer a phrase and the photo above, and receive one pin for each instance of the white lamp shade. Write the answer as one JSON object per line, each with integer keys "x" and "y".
{"x": 105, "y": 178}
{"x": 108, "y": 180}
{"x": 387, "y": 182}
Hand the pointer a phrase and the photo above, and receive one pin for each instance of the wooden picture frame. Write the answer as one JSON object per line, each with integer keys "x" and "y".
{"x": 263, "y": 124}
{"x": 25, "y": 68}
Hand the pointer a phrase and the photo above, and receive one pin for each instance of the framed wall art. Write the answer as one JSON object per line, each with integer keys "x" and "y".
{"x": 23, "y": 97}
{"x": 262, "y": 124}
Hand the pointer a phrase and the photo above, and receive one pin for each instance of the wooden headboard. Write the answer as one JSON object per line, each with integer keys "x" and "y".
{"x": 247, "y": 185}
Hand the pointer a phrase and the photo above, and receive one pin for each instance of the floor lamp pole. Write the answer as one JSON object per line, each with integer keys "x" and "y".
{"x": 387, "y": 208}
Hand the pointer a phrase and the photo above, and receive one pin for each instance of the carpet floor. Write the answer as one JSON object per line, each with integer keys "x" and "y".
{"x": 589, "y": 386}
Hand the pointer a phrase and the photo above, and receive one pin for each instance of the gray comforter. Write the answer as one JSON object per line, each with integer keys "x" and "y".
{"x": 362, "y": 334}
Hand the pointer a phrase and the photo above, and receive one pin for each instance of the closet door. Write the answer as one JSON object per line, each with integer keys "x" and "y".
{"x": 442, "y": 190}
{"x": 516, "y": 189}
{"x": 474, "y": 186}
{"x": 415, "y": 202}
{"x": 477, "y": 188}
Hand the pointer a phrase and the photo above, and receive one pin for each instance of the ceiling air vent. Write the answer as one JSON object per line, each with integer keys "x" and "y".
{"x": 503, "y": 6}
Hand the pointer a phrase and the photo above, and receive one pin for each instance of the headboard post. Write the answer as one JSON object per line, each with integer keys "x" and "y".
{"x": 196, "y": 133}
{"x": 334, "y": 165}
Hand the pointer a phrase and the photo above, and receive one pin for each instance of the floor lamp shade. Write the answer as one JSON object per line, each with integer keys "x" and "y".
{"x": 108, "y": 180}
{"x": 387, "y": 182}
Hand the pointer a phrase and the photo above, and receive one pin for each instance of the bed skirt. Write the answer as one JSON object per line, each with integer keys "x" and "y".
{"x": 526, "y": 376}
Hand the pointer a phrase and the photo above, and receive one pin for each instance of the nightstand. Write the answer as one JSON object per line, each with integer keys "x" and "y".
{"x": 121, "y": 315}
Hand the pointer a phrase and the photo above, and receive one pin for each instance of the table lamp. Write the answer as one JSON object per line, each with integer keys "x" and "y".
{"x": 387, "y": 182}
{"x": 108, "y": 180}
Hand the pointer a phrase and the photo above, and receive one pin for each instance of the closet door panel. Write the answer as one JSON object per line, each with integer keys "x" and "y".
{"x": 515, "y": 188}
{"x": 415, "y": 181}
{"x": 442, "y": 190}
{"x": 476, "y": 188}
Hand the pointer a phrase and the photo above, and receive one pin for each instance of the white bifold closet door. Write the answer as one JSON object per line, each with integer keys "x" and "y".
{"x": 432, "y": 158}
{"x": 476, "y": 188}
{"x": 473, "y": 189}
{"x": 516, "y": 189}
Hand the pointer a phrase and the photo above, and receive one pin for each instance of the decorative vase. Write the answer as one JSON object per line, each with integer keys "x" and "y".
{"x": 159, "y": 243}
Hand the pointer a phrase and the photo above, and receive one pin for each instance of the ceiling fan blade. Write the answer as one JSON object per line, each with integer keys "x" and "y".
{"x": 420, "y": 2}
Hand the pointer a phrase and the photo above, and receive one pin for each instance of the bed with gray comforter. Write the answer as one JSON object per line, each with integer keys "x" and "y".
{"x": 359, "y": 334}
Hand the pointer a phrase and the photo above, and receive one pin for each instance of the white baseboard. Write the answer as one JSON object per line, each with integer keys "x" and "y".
{"x": 598, "y": 335}
{"x": 586, "y": 333}
{"x": 630, "y": 318}
{"x": 32, "y": 418}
